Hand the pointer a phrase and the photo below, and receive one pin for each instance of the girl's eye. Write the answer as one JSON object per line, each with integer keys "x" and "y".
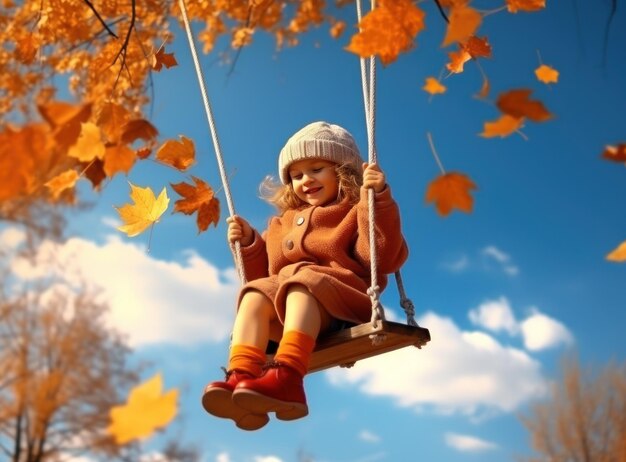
{"x": 297, "y": 176}
{"x": 318, "y": 169}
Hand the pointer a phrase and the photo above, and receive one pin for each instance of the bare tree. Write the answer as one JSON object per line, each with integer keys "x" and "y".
{"x": 584, "y": 420}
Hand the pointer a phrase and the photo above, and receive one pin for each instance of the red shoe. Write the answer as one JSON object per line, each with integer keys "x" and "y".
{"x": 279, "y": 390}
{"x": 217, "y": 400}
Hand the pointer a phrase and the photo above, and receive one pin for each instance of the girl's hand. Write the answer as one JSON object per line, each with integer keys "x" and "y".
{"x": 373, "y": 177}
{"x": 239, "y": 230}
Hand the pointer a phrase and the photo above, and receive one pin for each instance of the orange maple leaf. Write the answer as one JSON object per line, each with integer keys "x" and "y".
{"x": 458, "y": 59}
{"x": 200, "y": 198}
{"x": 547, "y": 74}
{"x": 61, "y": 182}
{"x": 517, "y": 104}
{"x": 618, "y": 254}
{"x": 388, "y": 30}
{"x": 477, "y": 47}
{"x": 337, "y": 29}
{"x": 615, "y": 153}
{"x": 138, "y": 129}
{"x": 464, "y": 21}
{"x": 89, "y": 145}
{"x": 94, "y": 172}
{"x": 111, "y": 119}
{"x": 433, "y": 86}
{"x": 525, "y": 5}
{"x": 147, "y": 410}
{"x": 66, "y": 120}
{"x": 161, "y": 58}
{"x": 504, "y": 126}
{"x": 451, "y": 190}
{"x": 118, "y": 158}
{"x": 179, "y": 154}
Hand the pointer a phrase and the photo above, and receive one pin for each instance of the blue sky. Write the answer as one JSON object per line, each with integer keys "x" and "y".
{"x": 506, "y": 291}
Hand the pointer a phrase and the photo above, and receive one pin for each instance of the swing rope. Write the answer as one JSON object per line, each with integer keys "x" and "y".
{"x": 236, "y": 248}
{"x": 368, "y": 84}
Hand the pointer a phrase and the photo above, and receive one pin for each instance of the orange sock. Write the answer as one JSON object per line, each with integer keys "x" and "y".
{"x": 295, "y": 350}
{"x": 246, "y": 358}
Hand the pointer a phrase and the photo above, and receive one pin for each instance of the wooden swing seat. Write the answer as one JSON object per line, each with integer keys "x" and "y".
{"x": 346, "y": 346}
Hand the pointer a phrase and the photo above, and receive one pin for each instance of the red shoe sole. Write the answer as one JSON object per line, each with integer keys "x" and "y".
{"x": 258, "y": 403}
{"x": 218, "y": 402}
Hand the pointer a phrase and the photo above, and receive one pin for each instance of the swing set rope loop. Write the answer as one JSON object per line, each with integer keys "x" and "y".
{"x": 368, "y": 84}
{"x": 236, "y": 248}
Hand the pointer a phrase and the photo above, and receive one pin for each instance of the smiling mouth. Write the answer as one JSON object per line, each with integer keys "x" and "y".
{"x": 312, "y": 191}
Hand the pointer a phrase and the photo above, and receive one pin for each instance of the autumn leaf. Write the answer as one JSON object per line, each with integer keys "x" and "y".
{"x": 242, "y": 37}
{"x": 61, "y": 182}
{"x": 146, "y": 210}
{"x": 388, "y": 30}
{"x": 161, "y": 58}
{"x": 118, "y": 158}
{"x": 89, "y": 145}
{"x": 138, "y": 129}
{"x": 94, "y": 172}
{"x": 449, "y": 191}
{"x": 517, "y": 104}
{"x": 112, "y": 119}
{"x": 458, "y": 59}
{"x": 178, "y": 154}
{"x": 464, "y": 21}
{"x": 337, "y": 29}
{"x": 66, "y": 120}
{"x": 525, "y": 5}
{"x": 477, "y": 47}
{"x": 143, "y": 153}
{"x": 618, "y": 254}
{"x": 433, "y": 86}
{"x": 147, "y": 410}
{"x": 547, "y": 74}
{"x": 199, "y": 198}
{"x": 615, "y": 153}
{"x": 504, "y": 126}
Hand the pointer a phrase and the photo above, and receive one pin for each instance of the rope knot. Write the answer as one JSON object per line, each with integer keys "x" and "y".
{"x": 409, "y": 309}
{"x": 378, "y": 313}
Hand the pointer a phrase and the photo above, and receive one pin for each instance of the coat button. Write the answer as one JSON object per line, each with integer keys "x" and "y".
{"x": 289, "y": 244}
{"x": 300, "y": 221}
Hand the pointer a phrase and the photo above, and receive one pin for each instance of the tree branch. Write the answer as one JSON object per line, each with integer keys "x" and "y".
{"x": 104, "y": 24}
{"x": 124, "y": 47}
{"x": 443, "y": 13}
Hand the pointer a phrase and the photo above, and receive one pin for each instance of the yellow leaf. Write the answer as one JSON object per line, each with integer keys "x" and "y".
{"x": 547, "y": 74}
{"x": 618, "y": 254}
{"x": 504, "y": 126}
{"x": 61, "y": 182}
{"x": 147, "y": 410}
{"x": 89, "y": 145}
{"x": 433, "y": 86}
{"x": 145, "y": 212}
{"x": 463, "y": 24}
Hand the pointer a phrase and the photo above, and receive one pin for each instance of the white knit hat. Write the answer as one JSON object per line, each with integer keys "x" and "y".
{"x": 319, "y": 140}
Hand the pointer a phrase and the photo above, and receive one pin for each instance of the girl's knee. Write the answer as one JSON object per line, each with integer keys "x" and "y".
{"x": 255, "y": 303}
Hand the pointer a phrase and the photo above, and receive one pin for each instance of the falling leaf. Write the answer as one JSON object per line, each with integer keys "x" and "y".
{"x": 61, "y": 182}
{"x": 178, "y": 154}
{"x": 337, "y": 29}
{"x": 525, "y": 5}
{"x": 94, "y": 172}
{"x": 547, "y": 74}
{"x": 148, "y": 409}
{"x": 504, "y": 126}
{"x": 449, "y": 191}
{"x": 433, "y": 86}
{"x": 485, "y": 88}
{"x": 517, "y": 104}
{"x": 145, "y": 211}
{"x": 161, "y": 58}
{"x": 89, "y": 145}
{"x": 118, "y": 158}
{"x": 477, "y": 47}
{"x": 388, "y": 30}
{"x": 615, "y": 153}
{"x": 112, "y": 120}
{"x": 138, "y": 129}
{"x": 457, "y": 60}
{"x": 200, "y": 198}
{"x": 143, "y": 153}
{"x": 464, "y": 21}
{"x": 618, "y": 254}
{"x": 66, "y": 120}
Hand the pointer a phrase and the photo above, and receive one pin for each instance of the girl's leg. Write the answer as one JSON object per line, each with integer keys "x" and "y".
{"x": 281, "y": 389}
{"x": 247, "y": 357}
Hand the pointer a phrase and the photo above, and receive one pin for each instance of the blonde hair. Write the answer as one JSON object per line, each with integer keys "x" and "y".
{"x": 283, "y": 197}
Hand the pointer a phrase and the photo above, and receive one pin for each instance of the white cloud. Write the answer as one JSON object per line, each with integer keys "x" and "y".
{"x": 11, "y": 237}
{"x": 222, "y": 457}
{"x": 150, "y": 300}
{"x": 492, "y": 252}
{"x": 368, "y": 436}
{"x": 457, "y": 266}
{"x": 267, "y": 459}
{"x": 495, "y": 315}
{"x": 541, "y": 331}
{"x": 466, "y": 372}
{"x": 466, "y": 443}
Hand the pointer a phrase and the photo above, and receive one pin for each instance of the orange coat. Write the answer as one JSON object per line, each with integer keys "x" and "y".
{"x": 326, "y": 249}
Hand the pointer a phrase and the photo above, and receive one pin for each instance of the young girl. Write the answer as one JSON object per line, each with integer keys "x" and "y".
{"x": 309, "y": 269}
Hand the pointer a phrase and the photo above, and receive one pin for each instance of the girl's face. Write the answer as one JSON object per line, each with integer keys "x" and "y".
{"x": 314, "y": 181}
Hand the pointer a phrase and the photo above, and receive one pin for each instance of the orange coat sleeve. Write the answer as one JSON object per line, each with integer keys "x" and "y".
{"x": 255, "y": 262}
